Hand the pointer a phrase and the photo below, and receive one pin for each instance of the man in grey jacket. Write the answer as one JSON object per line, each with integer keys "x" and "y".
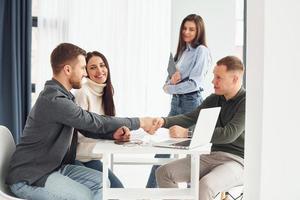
{"x": 223, "y": 167}
{"x": 41, "y": 167}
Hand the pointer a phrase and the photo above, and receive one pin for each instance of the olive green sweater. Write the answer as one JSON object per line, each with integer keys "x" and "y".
{"x": 229, "y": 133}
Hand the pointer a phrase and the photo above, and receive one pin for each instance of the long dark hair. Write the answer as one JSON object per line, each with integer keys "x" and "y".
{"x": 200, "y": 38}
{"x": 108, "y": 100}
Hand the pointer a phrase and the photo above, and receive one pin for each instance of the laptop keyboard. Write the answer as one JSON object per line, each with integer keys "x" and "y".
{"x": 169, "y": 141}
{"x": 184, "y": 143}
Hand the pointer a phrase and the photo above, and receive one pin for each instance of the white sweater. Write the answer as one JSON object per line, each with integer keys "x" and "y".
{"x": 89, "y": 97}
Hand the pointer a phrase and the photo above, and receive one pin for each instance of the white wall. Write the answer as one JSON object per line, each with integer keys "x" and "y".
{"x": 220, "y": 24}
{"x": 219, "y": 19}
{"x": 272, "y": 115}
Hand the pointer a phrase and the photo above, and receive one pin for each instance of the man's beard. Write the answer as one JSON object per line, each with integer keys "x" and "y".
{"x": 75, "y": 84}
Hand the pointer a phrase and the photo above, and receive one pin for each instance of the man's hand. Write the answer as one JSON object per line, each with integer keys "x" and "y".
{"x": 158, "y": 122}
{"x": 150, "y": 125}
{"x": 122, "y": 133}
{"x": 178, "y": 132}
{"x": 176, "y": 77}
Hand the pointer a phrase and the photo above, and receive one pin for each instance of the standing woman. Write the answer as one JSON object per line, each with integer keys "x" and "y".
{"x": 96, "y": 95}
{"x": 192, "y": 63}
{"x": 186, "y": 82}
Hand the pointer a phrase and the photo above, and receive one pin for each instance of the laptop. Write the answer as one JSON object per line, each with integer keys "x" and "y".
{"x": 202, "y": 134}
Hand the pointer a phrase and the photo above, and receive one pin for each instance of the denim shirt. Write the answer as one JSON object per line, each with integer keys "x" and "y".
{"x": 193, "y": 66}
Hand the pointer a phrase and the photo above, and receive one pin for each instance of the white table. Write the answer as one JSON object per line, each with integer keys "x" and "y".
{"x": 107, "y": 148}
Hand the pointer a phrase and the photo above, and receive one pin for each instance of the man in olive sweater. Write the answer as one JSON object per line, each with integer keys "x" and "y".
{"x": 42, "y": 165}
{"x": 222, "y": 169}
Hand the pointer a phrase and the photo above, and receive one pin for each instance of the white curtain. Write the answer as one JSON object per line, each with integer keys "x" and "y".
{"x": 134, "y": 35}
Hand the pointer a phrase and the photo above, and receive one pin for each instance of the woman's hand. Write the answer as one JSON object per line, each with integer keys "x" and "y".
{"x": 176, "y": 77}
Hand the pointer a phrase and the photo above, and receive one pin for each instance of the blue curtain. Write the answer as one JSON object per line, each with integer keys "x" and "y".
{"x": 15, "y": 64}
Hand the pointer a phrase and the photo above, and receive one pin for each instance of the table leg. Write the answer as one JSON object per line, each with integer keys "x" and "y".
{"x": 195, "y": 169}
{"x": 105, "y": 180}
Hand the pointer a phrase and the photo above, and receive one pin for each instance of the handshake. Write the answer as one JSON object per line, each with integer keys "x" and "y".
{"x": 150, "y": 125}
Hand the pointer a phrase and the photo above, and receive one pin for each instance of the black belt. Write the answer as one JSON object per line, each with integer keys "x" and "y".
{"x": 186, "y": 94}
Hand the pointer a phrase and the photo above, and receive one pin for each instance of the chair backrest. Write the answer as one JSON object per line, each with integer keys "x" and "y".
{"x": 7, "y": 148}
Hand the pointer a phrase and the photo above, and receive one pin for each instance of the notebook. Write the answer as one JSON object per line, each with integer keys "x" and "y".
{"x": 203, "y": 131}
{"x": 171, "y": 65}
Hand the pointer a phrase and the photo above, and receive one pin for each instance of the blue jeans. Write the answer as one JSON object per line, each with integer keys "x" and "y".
{"x": 185, "y": 103}
{"x": 180, "y": 104}
{"x": 98, "y": 165}
{"x": 72, "y": 182}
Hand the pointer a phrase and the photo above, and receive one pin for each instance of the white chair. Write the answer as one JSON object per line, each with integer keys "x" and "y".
{"x": 7, "y": 148}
